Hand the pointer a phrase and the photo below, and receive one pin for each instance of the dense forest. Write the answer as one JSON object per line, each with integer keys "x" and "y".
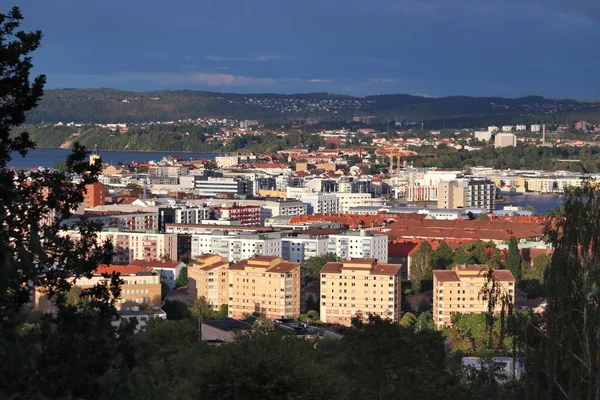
{"x": 112, "y": 106}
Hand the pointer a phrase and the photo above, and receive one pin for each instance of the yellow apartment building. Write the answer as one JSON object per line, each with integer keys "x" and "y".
{"x": 208, "y": 276}
{"x": 139, "y": 288}
{"x": 360, "y": 286}
{"x": 268, "y": 285}
{"x": 459, "y": 291}
{"x": 265, "y": 284}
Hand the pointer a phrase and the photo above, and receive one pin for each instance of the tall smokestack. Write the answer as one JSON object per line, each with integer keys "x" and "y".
{"x": 543, "y": 134}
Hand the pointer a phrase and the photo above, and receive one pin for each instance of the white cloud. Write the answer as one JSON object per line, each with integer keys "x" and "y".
{"x": 380, "y": 80}
{"x": 178, "y": 79}
{"x": 257, "y": 58}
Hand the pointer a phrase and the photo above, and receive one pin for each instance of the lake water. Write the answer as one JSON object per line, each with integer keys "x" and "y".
{"x": 50, "y": 157}
{"x": 542, "y": 203}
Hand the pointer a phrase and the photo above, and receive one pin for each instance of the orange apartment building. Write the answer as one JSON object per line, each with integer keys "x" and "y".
{"x": 140, "y": 288}
{"x": 268, "y": 285}
{"x": 95, "y": 195}
{"x": 360, "y": 286}
{"x": 208, "y": 276}
{"x": 458, "y": 291}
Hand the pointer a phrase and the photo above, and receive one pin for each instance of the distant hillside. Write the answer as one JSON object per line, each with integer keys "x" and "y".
{"x": 109, "y": 105}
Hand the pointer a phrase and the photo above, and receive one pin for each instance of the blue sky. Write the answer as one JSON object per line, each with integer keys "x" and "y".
{"x": 432, "y": 47}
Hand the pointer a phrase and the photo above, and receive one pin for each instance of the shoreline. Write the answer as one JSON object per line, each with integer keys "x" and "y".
{"x": 135, "y": 151}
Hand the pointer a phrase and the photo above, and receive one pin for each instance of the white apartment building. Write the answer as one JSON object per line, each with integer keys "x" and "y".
{"x": 552, "y": 184}
{"x": 359, "y": 244}
{"x": 425, "y": 188}
{"x": 521, "y": 128}
{"x": 505, "y": 140}
{"x": 346, "y": 201}
{"x": 321, "y": 203}
{"x": 191, "y": 215}
{"x": 238, "y": 247}
{"x": 214, "y": 186}
{"x": 303, "y": 247}
{"x": 484, "y": 136}
{"x": 493, "y": 129}
{"x": 536, "y": 128}
{"x": 508, "y": 128}
{"x": 167, "y": 171}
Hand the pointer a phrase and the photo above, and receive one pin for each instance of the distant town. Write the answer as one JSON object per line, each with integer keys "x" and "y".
{"x": 360, "y": 208}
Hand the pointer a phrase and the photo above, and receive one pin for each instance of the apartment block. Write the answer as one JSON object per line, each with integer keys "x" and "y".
{"x": 220, "y": 186}
{"x": 208, "y": 276}
{"x": 359, "y": 244}
{"x": 268, "y": 285}
{"x": 467, "y": 193}
{"x": 459, "y": 291}
{"x": 303, "y": 247}
{"x": 94, "y": 195}
{"x": 140, "y": 287}
{"x": 505, "y": 139}
{"x": 247, "y": 215}
{"x": 129, "y": 246}
{"x": 191, "y": 215}
{"x": 168, "y": 171}
{"x": 236, "y": 247}
{"x": 360, "y": 286}
{"x": 346, "y": 201}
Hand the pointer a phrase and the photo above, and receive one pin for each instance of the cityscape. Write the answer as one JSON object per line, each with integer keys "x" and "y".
{"x": 170, "y": 242}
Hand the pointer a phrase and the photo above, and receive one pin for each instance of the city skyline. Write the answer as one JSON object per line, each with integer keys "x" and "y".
{"x": 430, "y": 48}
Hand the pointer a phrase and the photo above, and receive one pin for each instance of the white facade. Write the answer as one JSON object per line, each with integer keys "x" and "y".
{"x": 536, "y": 128}
{"x": 214, "y": 186}
{"x": 346, "y": 201}
{"x": 360, "y": 244}
{"x": 493, "y": 129}
{"x": 508, "y": 128}
{"x": 236, "y": 248}
{"x": 484, "y": 136}
{"x": 521, "y": 128}
{"x": 191, "y": 215}
{"x": 169, "y": 275}
{"x": 321, "y": 203}
{"x": 302, "y": 247}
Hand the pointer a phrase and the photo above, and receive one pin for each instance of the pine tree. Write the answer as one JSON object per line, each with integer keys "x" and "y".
{"x": 513, "y": 260}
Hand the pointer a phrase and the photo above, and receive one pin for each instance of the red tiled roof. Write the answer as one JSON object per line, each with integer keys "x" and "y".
{"x": 120, "y": 269}
{"x": 154, "y": 264}
{"x": 445, "y": 276}
{"x": 332, "y": 267}
{"x": 386, "y": 269}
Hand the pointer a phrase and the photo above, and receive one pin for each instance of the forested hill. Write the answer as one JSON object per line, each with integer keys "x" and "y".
{"x": 109, "y": 105}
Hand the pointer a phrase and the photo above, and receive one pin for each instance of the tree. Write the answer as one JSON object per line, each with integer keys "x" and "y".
{"x": 479, "y": 253}
{"x": 421, "y": 266}
{"x": 513, "y": 259}
{"x": 379, "y": 358}
{"x": 223, "y": 311}
{"x": 442, "y": 256}
{"x": 408, "y": 320}
{"x": 461, "y": 257}
{"x": 561, "y": 346}
{"x": 137, "y": 189}
{"x": 73, "y": 352}
{"x": 182, "y": 278}
{"x": 263, "y": 325}
{"x": 202, "y": 309}
{"x": 313, "y": 265}
{"x": 176, "y": 310}
{"x": 541, "y": 263}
